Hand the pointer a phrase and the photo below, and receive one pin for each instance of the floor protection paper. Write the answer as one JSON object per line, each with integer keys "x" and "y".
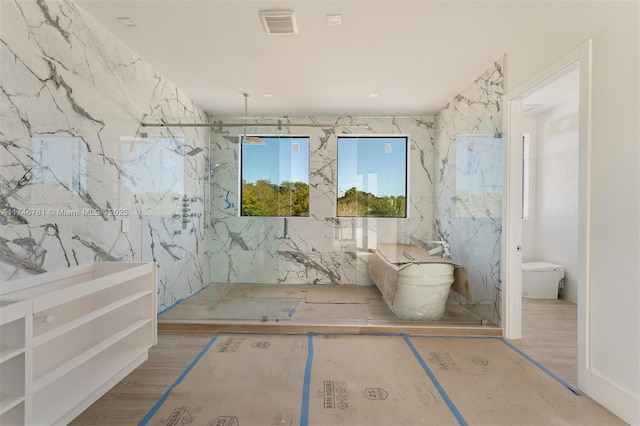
{"x": 371, "y": 380}
{"x": 240, "y": 380}
{"x": 383, "y": 379}
{"x": 486, "y": 379}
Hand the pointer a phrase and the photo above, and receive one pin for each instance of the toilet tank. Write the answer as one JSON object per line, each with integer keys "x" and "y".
{"x": 541, "y": 280}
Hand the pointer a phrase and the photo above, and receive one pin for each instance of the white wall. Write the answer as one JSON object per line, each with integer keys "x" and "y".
{"x": 557, "y": 192}
{"x": 614, "y": 194}
{"x": 552, "y": 228}
{"x": 530, "y": 126}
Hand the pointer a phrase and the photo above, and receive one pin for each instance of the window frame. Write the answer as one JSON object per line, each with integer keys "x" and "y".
{"x": 241, "y": 174}
{"x": 407, "y": 174}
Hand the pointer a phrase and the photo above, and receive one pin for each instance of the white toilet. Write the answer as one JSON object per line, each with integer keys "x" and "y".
{"x": 541, "y": 280}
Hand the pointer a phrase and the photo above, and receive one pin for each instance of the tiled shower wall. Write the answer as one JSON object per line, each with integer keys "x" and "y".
{"x": 76, "y": 164}
{"x": 474, "y": 115}
{"x": 321, "y": 248}
{"x": 77, "y": 169}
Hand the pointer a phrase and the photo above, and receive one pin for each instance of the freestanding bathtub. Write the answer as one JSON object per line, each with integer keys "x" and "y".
{"x": 414, "y": 284}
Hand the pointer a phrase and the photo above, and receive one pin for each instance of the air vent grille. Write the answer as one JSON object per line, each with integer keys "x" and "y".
{"x": 279, "y": 22}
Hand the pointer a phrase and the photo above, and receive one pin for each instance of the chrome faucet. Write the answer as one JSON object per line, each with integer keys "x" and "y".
{"x": 443, "y": 248}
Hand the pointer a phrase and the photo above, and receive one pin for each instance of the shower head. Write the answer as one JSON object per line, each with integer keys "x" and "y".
{"x": 194, "y": 151}
{"x": 252, "y": 140}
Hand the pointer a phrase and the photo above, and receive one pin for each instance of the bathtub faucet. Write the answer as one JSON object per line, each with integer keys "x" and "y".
{"x": 443, "y": 248}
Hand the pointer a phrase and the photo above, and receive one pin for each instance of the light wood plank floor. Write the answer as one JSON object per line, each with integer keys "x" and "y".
{"x": 549, "y": 337}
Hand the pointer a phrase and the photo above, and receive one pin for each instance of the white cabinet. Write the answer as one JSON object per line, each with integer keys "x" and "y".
{"x": 15, "y": 321}
{"x": 90, "y": 328}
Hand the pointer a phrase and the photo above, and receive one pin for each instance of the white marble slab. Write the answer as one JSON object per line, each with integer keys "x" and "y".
{"x": 473, "y": 225}
{"x": 321, "y": 248}
{"x": 75, "y": 162}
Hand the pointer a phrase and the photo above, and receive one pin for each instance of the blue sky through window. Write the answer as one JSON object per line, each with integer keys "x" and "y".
{"x": 276, "y": 159}
{"x": 377, "y": 165}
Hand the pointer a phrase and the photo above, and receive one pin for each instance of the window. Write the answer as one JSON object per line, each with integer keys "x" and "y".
{"x": 274, "y": 176}
{"x": 372, "y": 176}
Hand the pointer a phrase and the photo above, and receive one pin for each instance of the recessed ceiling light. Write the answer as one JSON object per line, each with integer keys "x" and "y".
{"x": 126, "y": 21}
{"x": 334, "y": 20}
{"x": 267, "y": 95}
{"x": 373, "y": 96}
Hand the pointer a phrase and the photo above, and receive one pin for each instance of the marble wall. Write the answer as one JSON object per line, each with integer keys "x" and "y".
{"x": 468, "y": 185}
{"x": 321, "y": 248}
{"x": 80, "y": 179}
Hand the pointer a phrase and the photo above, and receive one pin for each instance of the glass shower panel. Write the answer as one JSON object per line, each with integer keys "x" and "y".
{"x": 477, "y": 223}
{"x": 245, "y": 269}
{"x": 370, "y": 233}
{"x": 260, "y": 187}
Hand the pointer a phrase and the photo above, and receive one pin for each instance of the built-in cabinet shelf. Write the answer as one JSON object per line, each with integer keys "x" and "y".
{"x": 15, "y": 322}
{"x": 68, "y": 337}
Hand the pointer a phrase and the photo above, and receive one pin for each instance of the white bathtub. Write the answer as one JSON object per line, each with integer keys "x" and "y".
{"x": 415, "y": 285}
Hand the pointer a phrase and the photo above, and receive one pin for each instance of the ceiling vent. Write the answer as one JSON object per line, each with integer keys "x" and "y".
{"x": 279, "y": 22}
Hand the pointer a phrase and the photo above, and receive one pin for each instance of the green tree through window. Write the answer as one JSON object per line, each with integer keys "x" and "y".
{"x": 275, "y": 176}
{"x": 372, "y": 176}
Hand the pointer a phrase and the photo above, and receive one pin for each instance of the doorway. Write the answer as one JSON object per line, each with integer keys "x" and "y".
{"x": 515, "y": 102}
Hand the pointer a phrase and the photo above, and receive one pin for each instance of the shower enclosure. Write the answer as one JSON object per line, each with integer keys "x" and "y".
{"x": 309, "y": 268}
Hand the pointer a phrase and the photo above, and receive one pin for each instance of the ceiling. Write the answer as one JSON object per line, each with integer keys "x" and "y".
{"x": 415, "y": 55}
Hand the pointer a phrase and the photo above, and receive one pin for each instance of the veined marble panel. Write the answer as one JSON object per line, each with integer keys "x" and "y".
{"x": 469, "y": 194}
{"x": 81, "y": 180}
{"x": 321, "y": 248}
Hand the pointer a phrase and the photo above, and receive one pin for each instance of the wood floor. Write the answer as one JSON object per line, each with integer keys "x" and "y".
{"x": 548, "y": 336}
{"x": 301, "y": 308}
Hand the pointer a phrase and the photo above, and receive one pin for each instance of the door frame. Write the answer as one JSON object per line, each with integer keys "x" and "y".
{"x": 511, "y": 274}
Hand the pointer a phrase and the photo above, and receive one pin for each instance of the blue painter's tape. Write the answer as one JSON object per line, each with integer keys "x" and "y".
{"x": 304, "y": 410}
{"x": 293, "y": 310}
{"x": 541, "y": 367}
{"x": 158, "y": 404}
{"x": 436, "y": 383}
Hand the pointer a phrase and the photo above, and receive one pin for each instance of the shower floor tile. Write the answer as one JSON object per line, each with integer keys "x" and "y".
{"x": 300, "y": 305}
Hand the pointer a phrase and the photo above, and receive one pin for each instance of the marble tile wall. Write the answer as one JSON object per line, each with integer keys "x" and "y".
{"x": 473, "y": 224}
{"x": 75, "y": 162}
{"x": 321, "y": 249}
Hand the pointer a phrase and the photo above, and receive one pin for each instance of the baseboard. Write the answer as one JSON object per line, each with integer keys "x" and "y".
{"x": 615, "y": 399}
